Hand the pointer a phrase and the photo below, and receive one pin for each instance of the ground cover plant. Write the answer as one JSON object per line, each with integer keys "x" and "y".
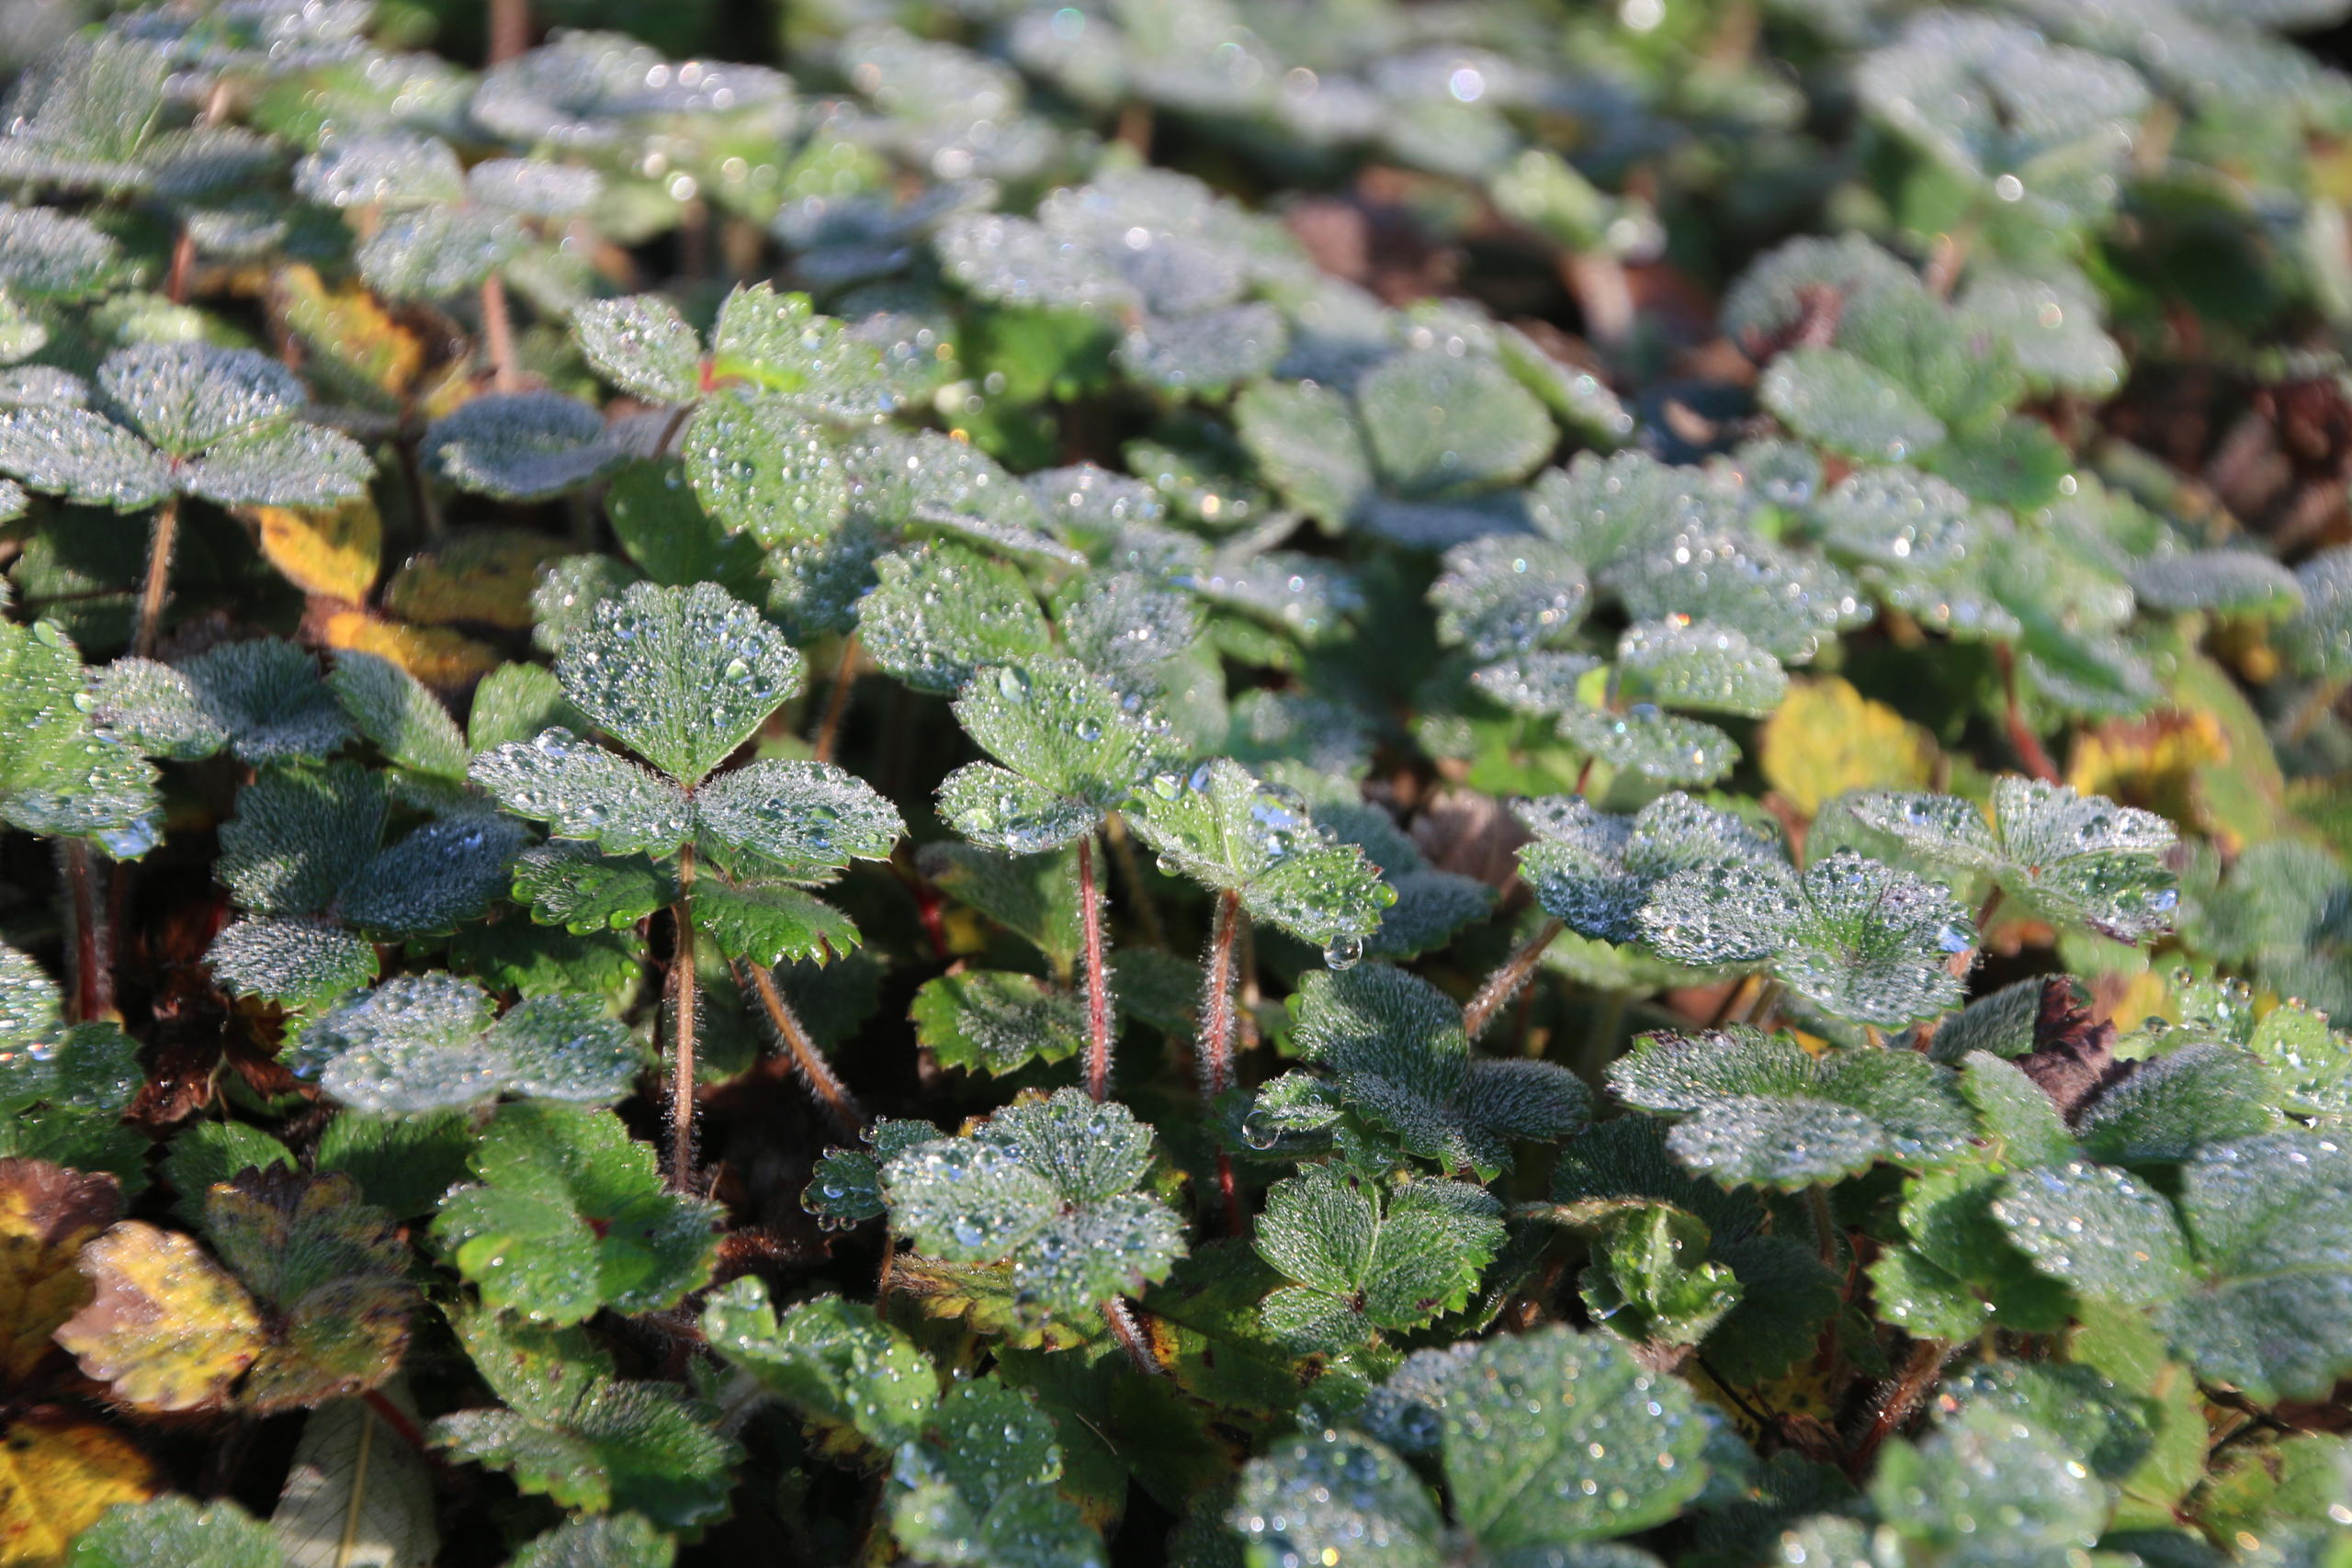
{"x": 1515, "y": 783}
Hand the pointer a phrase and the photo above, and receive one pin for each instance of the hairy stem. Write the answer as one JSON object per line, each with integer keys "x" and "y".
{"x": 498, "y": 334}
{"x": 1597, "y": 281}
{"x": 1140, "y": 903}
{"x": 1895, "y": 1405}
{"x": 1122, "y": 1319}
{"x": 1215, "y": 1047}
{"x": 2315, "y": 706}
{"x": 682, "y": 1046}
{"x": 829, "y": 727}
{"x": 92, "y": 995}
{"x": 1825, "y": 1226}
{"x": 1098, "y": 977}
{"x": 161, "y": 542}
{"x": 1505, "y": 982}
{"x": 840, "y": 1105}
{"x": 510, "y": 28}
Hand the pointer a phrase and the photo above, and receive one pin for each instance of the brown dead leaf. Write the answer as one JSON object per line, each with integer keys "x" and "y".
{"x": 48, "y": 1214}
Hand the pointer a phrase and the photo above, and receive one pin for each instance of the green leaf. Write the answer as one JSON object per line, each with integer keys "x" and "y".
{"x": 49, "y": 254}
{"x": 1698, "y": 668}
{"x": 59, "y": 777}
{"x": 88, "y": 459}
{"x": 174, "y": 1531}
{"x": 1205, "y": 355}
{"x": 1444, "y": 424}
{"x": 1305, "y": 441}
{"x": 833, "y": 1361}
{"x": 2097, "y": 1229}
{"x": 1522, "y": 1420}
{"x": 1663, "y": 747}
{"x": 2224, "y": 583}
{"x": 978, "y": 1486}
{"x": 422, "y": 1042}
{"x": 400, "y": 714}
{"x": 1859, "y": 939}
{"x": 1762, "y": 1111}
{"x": 847, "y": 1185}
{"x": 296, "y": 962}
{"x": 1398, "y": 1055}
{"x": 2066, "y": 857}
{"x": 263, "y": 699}
{"x": 1935, "y": 1494}
{"x": 994, "y": 1021}
{"x": 213, "y": 1152}
{"x": 798, "y": 819}
{"x": 768, "y": 924}
{"x": 2271, "y": 1309}
{"x": 404, "y": 1164}
{"x": 1336, "y": 1493}
{"x": 90, "y": 1066}
{"x": 571, "y": 1217}
{"x": 1365, "y": 1257}
{"x": 1779, "y": 599}
{"x": 332, "y": 1272}
{"x": 1833, "y": 398}
{"x": 761, "y": 468}
{"x": 1033, "y": 895}
{"x": 521, "y": 446}
{"x": 2317, "y": 640}
{"x": 1509, "y": 595}
{"x": 778, "y": 344}
{"x": 1064, "y": 733}
{"x": 1595, "y": 872}
{"x": 1222, "y": 826}
{"x": 1650, "y": 1280}
{"x": 2176, "y": 1104}
{"x": 571, "y": 885}
{"x": 642, "y": 346}
{"x": 357, "y": 1492}
{"x": 941, "y": 612}
{"x": 578, "y": 1437}
{"x": 617, "y": 1540}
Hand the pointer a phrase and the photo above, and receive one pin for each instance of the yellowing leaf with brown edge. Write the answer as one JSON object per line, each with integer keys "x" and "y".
{"x": 358, "y": 351}
{"x": 332, "y": 1272}
{"x": 434, "y": 655}
{"x": 334, "y": 551}
{"x": 56, "y": 1478}
{"x": 1826, "y": 738}
{"x": 483, "y": 576}
{"x": 2202, "y": 759}
{"x": 48, "y": 1214}
{"x": 166, "y": 1328}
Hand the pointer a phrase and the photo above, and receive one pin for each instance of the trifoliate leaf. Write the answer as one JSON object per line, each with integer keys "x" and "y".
{"x": 521, "y": 446}
{"x": 1833, "y": 398}
{"x": 571, "y": 1217}
{"x": 763, "y": 470}
{"x": 1859, "y": 939}
{"x": 1660, "y": 746}
{"x": 1399, "y": 1056}
{"x": 1063, "y": 732}
{"x": 59, "y": 777}
{"x": 978, "y": 1486}
{"x": 1363, "y": 1256}
{"x": 799, "y": 820}
{"x": 681, "y": 676}
{"x": 331, "y": 1273}
{"x": 166, "y": 1328}
{"x": 1505, "y": 595}
{"x": 1595, "y": 872}
{"x": 994, "y": 1021}
{"x": 1698, "y": 668}
{"x": 1781, "y": 601}
{"x": 1305, "y": 441}
{"x": 941, "y": 612}
{"x": 574, "y": 1434}
{"x": 432, "y": 253}
{"x": 833, "y": 1361}
{"x": 1763, "y": 1112}
{"x": 86, "y": 458}
{"x": 1222, "y": 826}
{"x": 422, "y": 1042}
{"x": 1444, "y": 424}
{"x": 2066, "y": 857}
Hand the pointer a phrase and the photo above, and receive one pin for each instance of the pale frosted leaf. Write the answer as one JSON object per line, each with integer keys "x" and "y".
{"x": 49, "y": 254}
{"x": 1306, "y": 443}
{"x": 434, "y": 253}
{"x": 88, "y": 459}
{"x": 802, "y": 819}
{"x": 2226, "y": 582}
{"x": 1782, "y": 600}
{"x": 1341, "y": 1493}
{"x": 2318, "y": 641}
{"x": 2097, "y": 1229}
{"x": 1508, "y": 595}
{"x": 761, "y": 468}
{"x": 1205, "y": 355}
{"x": 531, "y": 188}
{"x": 389, "y": 172}
{"x": 1661, "y": 747}
{"x": 1698, "y": 667}
{"x": 298, "y": 963}
{"x": 681, "y": 676}
{"x": 1544, "y": 684}
{"x": 1220, "y": 824}
{"x": 1831, "y": 397}
{"x": 941, "y": 611}
{"x": 521, "y": 446}
{"x": 1441, "y": 424}
{"x": 642, "y": 346}
{"x": 583, "y": 791}
{"x": 1595, "y": 872}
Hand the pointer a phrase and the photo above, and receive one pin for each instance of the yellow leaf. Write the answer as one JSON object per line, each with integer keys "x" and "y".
{"x": 485, "y": 575}
{"x": 434, "y": 655}
{"x": 335, "y": 551}
{"x": 1826, "y": 739}
{"x": 166, "y": 1328}
{"x": 2202, "y": 759}
{"x": 48, "y": 1214}
{"x": 357, "y": 350}
{"x": 56, "y": 1478}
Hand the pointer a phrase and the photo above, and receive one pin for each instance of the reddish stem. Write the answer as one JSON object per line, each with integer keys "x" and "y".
{"x": 839, "y": 1103}
{"x": 1505, "y": 982}
{"x": 1098, "y": 988}
{"x": 2022, "y": 740}
{"x": 1216, "y": 1038}
{"x": 682, "y": 1044}
{"x": 498, "y": 333}
{"x": 1897, "y": 1404}
{"x": 829, "y": 728}
{"x": 93, "y": 992}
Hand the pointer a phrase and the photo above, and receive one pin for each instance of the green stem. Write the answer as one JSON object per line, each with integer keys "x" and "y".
{"x": 1098, "y": 978}
{"x": 1505, "y": 982}
{"x": 682, "y": 1046}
